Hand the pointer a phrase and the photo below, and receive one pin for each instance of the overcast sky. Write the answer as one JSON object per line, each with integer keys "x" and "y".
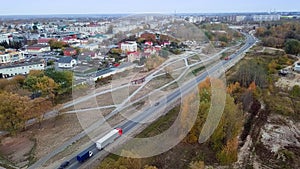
{"x": 29, "y": 7}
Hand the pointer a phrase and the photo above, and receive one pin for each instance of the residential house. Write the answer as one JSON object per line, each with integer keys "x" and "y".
{"x": 10, "y": 57}
{"x": 166, "y": 43}
{"x": 66, "y": 62}
{"x": 44, "y": 41}
{"x": 128, "y": 46}
{"x": 149, "y": 43}
{"x": 132, "y": 56}
{"x": 87, "y": 56}
{"x": 38, "y": 48}
{"x": 70, "y": 52}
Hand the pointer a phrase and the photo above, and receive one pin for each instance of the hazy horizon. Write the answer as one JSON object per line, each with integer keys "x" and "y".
{"x": 66, "y": 7}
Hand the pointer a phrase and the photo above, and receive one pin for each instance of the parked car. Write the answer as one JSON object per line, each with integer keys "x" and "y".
{"x": 64, "y": 165}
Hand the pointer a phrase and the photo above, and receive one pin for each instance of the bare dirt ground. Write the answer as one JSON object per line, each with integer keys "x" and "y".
{"x": 48, "y": 136}
{"x": 17, "y": 149}
{"x": 279, "y": 133}
{"x": 54, "y": 132}
{"x": 289, "y": 81}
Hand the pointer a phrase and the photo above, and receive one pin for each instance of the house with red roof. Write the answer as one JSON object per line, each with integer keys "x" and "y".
{"x": 70, "y": 52}
{"x": 38, "y": 48}
{"x": 166, "y": 43}
{"x": 149, "y": 43}
{"x": 44, "y": 41}
{"x": 132, "y": 56}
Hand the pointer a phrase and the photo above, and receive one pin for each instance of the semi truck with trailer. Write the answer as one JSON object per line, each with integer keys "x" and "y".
{"x": 81, "y": 157}
{"x": 108, "y": 138}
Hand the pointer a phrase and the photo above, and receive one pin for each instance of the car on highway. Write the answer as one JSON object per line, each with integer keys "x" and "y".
{"x": 64, "y": 165}
{"x": 227, "y": 58}
{"x": 156, "y": 104}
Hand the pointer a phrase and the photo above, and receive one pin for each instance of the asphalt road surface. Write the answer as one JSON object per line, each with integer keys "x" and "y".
{"x": 178, "y": 93}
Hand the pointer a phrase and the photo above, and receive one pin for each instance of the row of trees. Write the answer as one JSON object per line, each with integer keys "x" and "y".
{"x": 16, "y": 106}
{"x": 224, "y": 140}
{"x": 11, "y": 44}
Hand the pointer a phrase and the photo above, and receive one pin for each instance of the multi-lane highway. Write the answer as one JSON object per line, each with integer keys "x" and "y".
{"x": 172, "y": 97}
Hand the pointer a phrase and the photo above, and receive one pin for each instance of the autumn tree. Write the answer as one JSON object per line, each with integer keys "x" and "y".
{"x": 260, "y": 31}
{"x": 14, "y": 112}
{"x": 227, "y": 131}
{"x": 39, "y": 107}
{"x": 229, "y": 153}
{"x": 37, "y": 81}
{"x": 249, "y": 72}
{"x": 64, "y": 79}
{"x": 54, "y": 44}
{"x": 234, "y": 88}
{"x": 205, "y": 98}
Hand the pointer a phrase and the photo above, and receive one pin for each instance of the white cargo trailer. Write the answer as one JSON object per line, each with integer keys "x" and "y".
{"x": 108, "y": 138}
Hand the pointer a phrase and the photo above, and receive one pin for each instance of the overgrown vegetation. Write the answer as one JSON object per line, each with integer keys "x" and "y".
{"x": 276, "y": 101}
{"x": 281, "y": 35}
{"x": 223, "y": 143}
{"x": 220, "y": 33}
{"x": 24, "y": 98}
{"x": 153, "y": 62}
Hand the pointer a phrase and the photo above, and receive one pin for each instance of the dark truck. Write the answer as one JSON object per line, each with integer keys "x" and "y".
{"x": 81, "y": 157}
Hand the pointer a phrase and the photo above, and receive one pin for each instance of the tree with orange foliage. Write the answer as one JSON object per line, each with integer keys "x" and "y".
{"x": 233, "y": 87}
{"x": 228, "y": 154}
{"x": 37, "y": 81}
{"x": 252, "y": 86}
{"x": 14, "y": 112}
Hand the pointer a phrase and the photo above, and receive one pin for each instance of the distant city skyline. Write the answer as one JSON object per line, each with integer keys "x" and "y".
{"x": 46, "y": 7}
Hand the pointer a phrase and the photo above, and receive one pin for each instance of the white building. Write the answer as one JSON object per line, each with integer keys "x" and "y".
{"x": 129, "y": 46}
{"x": 4, "y": 37}
{"x": 11, "y": 57}
{"x": 89, "y": 29}
{"x": 66, "y": 62}
{"x": 259, "y": 18}
{"x": 38, "y": 48}
{"x": 240, "y": 18}
{"x": 21, "y": 69}
{"x": 297, "y": 67}
{"x": 132, "y": 56}
{"x": 91, "y": 46}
